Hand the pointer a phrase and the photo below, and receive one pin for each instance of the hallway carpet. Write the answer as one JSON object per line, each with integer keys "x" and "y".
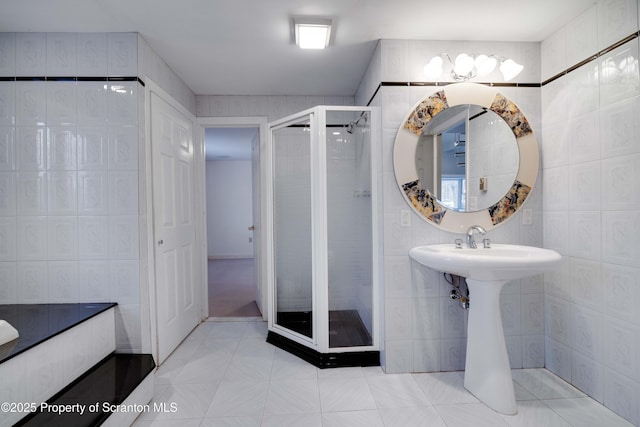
{"x": 232, "y": 290}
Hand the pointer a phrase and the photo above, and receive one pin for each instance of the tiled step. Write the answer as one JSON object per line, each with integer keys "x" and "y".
{"x": 120, "y": 385}
{"x": 58, "y": 343}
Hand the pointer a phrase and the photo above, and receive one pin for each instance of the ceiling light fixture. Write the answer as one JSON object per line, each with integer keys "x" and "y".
{"x": 467, "y": 66}
{"x": 312, "y": 33}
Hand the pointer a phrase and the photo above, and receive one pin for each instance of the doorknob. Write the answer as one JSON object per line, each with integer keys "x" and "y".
{"x": 251, "y": 228}
{"x": 160, "y": 242}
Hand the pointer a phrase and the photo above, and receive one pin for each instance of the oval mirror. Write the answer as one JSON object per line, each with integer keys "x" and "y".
{"x": 465, "y": 155}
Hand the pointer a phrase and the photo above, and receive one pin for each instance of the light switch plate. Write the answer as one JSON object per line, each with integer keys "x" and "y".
{"x": 527, "y": 216}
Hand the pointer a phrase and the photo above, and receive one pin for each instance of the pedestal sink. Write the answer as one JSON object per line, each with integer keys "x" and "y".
{"x": 487, "y": 370}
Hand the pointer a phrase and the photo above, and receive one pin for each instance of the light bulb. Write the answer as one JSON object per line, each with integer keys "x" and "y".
{"x": 463, "y": 64}
{"x": 509, "y": 69}
{"x": 485, "y": 64}
{"x": 433, "y": 69}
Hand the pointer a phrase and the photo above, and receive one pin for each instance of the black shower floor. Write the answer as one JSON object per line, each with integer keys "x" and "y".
{"x": 346, "y": 328}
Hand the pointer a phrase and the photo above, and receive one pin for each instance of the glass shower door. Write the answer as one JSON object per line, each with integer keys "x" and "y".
{"x": 292, "y": 226}
{"x": 349, "y": 228}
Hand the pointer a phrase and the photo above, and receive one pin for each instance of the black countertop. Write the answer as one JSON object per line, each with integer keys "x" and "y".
{"x": 39, "y": 322}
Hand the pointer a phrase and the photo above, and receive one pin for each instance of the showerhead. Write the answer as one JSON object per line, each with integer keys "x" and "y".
{"x": 355, "y": 123}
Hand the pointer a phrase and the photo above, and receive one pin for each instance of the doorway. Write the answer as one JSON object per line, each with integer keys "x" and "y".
{"x": 233, "y": 206}
{"x": 229, "y": 189}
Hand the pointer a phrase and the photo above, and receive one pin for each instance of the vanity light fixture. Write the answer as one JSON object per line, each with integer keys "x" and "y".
{"x": 312, "y": 33}
{"x": 467, "y": 66}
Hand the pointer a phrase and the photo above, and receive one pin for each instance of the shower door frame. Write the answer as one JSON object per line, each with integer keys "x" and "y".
{"x": 319, "y": 341}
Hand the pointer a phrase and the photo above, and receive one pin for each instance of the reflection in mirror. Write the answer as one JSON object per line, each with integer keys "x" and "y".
{"x": 428, "y": 191}
{"x": 467, "y": 156}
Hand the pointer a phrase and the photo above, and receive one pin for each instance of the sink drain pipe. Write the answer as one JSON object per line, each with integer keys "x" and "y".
{"x": 460, "y": 291}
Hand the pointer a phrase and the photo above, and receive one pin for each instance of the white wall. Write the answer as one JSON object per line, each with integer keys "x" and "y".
{"x": 152, "y": 66}
{"x": 423, "y": 329}
{"x": 273, "y": 107}
{"x": 591, "y": 161}
{"x": 72, "y": 175}
{"x": 229, "y": 209}
{"x": 582, "y": 322}
{"x": 495, "y": 157}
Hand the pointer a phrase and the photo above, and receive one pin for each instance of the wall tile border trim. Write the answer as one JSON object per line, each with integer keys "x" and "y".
{"x": 72, "y": 79}
{"x": 593, "y": 57}
{"x": 415, "y": 84}
{"x": 549, "y": 80}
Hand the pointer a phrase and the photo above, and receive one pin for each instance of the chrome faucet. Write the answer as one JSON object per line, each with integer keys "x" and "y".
{"x": 471, "y": 243}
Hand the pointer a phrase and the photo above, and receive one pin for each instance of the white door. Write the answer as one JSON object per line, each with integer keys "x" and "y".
{"x": 172, "y": 149}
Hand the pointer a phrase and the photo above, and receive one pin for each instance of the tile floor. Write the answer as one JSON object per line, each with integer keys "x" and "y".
{"x": 225, "y": 374}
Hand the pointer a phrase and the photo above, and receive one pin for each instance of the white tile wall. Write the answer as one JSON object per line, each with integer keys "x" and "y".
{"x": 580, "y": 37}
{"x": 621, "y": 395}
{"x": 69, "y": 172}
{"x": 61, "y": 104}
{"x": 91, "y": 54}
{"x": 616, "y": 20}
{"x": 7, "y": 54}
{"x": 590, "y": 148}
{"x": 495, "y": 160}
{"x": 31, "y": 103}
{"x": 434, "y": 338}
{"x": 68, "y": 160}
{"x": 93, "y": 280}
{"x": 31, "y": 54}
{"x": 588, "y": 376}
{"x": 122, "y": 51}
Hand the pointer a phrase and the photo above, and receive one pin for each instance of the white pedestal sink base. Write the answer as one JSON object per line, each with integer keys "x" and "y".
{"x": 487, "y": 370}
{"x": 488, "y": 373}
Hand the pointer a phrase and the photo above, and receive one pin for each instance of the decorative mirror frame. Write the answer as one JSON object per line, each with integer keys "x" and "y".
{"x": 420, "y": 198}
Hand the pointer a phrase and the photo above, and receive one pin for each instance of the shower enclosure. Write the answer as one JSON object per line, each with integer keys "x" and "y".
{"x": 323, "y": 269}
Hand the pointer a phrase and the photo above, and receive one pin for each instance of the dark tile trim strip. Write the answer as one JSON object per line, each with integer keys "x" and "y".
{"x": 408, "y": 84}
{"x": 549, "y": 80}
{"x": 592, "y": 57}
{"x": 62, "y": 79}
{"x": 30, "y": 79}
{"x": 328, "y": 125}
{"x": 374, "y": 95}
{"x": 126, "y": 79}
{"x": 72, "y": 79}
{"x": 415, "y": 84}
